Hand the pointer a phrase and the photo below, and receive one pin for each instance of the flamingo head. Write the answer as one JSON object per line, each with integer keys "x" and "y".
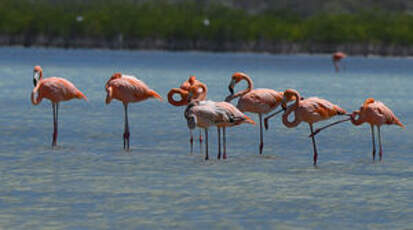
{"x": 37, "y": 74}
{"x": 235, "y": 78}
{"x": 290, "y": 95}
{"x": 192, "y": 79}
{"x": 191, "y": 121}
{"x": 113, "y": 77}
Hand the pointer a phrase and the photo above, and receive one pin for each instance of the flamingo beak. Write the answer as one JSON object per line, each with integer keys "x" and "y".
{"x": 36, "y": 77}
{"x": 231, "y": 86}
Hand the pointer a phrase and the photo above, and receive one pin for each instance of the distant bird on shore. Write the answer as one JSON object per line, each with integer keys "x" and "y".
{"x": 337, "y": 56}
{"x": 183, "y": 91}
{"x": 55, "y": 89}
{"x": 260, "y": 101}
{"x": 127, "y": 89}
{"x": 310, "y": 110}
{"x": 204, "y": 114}
{"x": 376, "y": 114}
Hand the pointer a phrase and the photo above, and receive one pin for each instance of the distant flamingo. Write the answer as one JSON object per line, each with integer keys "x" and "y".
{"x": 251, "y": 100}
{"x": 55, "y": 89}
{"x": 127, "y": 89}
{"x": 310, "y": 110}
{"x": 183, "y": 91}
{"x": 376, "y": 114}
{"x": 337, "y": 56}
{"x": 204, "y": 114}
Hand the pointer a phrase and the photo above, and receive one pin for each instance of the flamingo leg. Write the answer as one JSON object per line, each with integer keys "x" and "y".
{"x": 373, "y": 142}
{"x": 200, "y": 136}
{"x": 126, "y": 134}
{"x": 200, "y": 140}
{"x": 329, "y": 125}
{"x": 270, "y": 116}
{"x": 261, "y": 135}
{"x": 336, "y": 66}
{"x": 314, "y": 146}
{"x": 191, "y": 141}
{"x": 206, "y": 144}
{"x": 55, "y": 110}
{"x": 219, "y": 143}
{"x": 225, "y": 143}
{"x": 380, "y": 147}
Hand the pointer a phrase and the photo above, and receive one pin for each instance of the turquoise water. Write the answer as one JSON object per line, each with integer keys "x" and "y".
{"x": 89, "y": 182}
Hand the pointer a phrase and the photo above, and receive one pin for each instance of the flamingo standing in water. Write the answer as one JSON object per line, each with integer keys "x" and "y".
{"x": 337, "y": 56}
{"x": 376, "y": 114}
{"x": 260, "y": 101}
{"x": 55, "y": 89}
{"x": 310, "y": 110}
{"x": 209, "y": 113}
{"x": 128, "y": 89}
{"x": 183, "y": 91}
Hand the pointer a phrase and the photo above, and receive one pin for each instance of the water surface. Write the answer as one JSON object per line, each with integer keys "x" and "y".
{"x": 89, "y": 182}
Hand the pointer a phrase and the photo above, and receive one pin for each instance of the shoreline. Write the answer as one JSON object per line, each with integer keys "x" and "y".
{"x": 258, "y": 46}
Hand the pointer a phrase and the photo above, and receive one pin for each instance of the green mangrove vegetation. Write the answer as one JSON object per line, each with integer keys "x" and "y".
{"x": 191, "y": 21}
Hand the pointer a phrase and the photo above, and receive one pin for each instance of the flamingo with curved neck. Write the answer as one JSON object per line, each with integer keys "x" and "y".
{"x": 310, "y": 110}
{"x": 376, "y": 114}
{"x": 183, "y": 92}
{"x": 55, "y": 89}
{"x": 260, "y": 101}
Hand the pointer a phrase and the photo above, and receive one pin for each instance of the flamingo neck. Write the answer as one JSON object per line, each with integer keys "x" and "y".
{"x": 248, "y": 89}
{"x": 34, "y": 97}
{"x": 184, "y": 97}
{"x": 357, "y": 121}
{"x": 289, "y": 110}
{"x": 200, "y": 96}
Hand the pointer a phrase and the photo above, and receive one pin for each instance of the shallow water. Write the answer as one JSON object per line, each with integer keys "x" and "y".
{"x": 89, "y": 182}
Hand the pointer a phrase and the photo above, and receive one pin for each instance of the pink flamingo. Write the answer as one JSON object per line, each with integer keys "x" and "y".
{"x": 55, "y": 89}
{"x": 204, "y": 114}
{"x": 260, "y": 101}
{"x": 183, "y": 91}
{"x": 128, "y": 89}
{"x": 310, "y": 110}
{"x": 337, "y": 56}
{"x": 376, "y": 114}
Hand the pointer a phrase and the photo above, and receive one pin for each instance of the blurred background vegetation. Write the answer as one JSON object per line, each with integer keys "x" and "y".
{"x": 384, "y": 22}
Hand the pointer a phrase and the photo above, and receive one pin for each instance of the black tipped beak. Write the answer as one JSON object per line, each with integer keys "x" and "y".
{"x": 231, "y": 90}
{"x": 34, "y": 82}
{"x": 283, "y": 106}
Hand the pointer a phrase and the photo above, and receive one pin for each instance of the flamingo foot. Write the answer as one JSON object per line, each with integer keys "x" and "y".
{"x": 380, "y": 155}
{"x": 374, "y": 155}
{"x": 315, "y": 161}
{"x": 261, "y": 147}
{"x": 54, "y": 142}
